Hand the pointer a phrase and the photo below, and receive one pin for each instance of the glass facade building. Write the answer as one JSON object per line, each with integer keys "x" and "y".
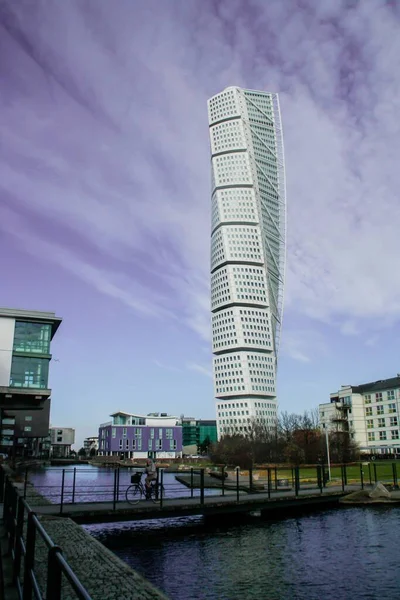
{"x": 25, "y": 338}
{"x": 31, "y": 355}
{"x": 197, "y": 432}
{"x": 248, "y": 242}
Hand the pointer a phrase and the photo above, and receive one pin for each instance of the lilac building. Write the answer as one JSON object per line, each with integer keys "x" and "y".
{"x": 135, "y": 436}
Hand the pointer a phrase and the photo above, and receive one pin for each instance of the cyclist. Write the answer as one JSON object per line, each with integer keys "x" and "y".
{"x": 151, "y": 475}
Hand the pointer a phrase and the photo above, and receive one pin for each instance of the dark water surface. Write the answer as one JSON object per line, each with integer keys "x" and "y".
{"x": 338, "y": 554}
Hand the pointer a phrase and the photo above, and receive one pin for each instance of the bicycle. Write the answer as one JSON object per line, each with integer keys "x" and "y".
{"x": 137, "y": 491}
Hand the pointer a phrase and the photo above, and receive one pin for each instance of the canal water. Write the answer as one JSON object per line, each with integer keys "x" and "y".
{"x": 336, "y": 554}
{"x": 86, "y": 483}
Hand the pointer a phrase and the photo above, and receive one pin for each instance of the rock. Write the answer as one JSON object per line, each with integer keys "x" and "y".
{"x": 359, "y": 497}
{"x": 379, "y": 491}
{"x": 378, "y": 494}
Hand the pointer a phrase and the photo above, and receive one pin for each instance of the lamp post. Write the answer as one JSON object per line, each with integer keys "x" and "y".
{"x": 327, "y": 451}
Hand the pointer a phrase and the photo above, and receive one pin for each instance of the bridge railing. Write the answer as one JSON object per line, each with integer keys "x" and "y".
{"x": 108, "y": 485}
{"x": 24, "y": 530}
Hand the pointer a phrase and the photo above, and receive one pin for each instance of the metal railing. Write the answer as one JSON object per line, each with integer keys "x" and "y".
{"x": 108, "y": 486}
{"x": 19, "y": 517}
{"x": 65, "y": 487}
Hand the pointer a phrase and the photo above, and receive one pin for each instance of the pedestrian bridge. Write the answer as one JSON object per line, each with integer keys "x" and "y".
{"x": 208, "y": 506}
{"x": 98, "y": 495}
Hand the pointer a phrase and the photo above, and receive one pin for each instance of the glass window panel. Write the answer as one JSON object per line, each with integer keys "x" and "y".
{"x": 29, "y": 372}
{"x": 32, "y": 337}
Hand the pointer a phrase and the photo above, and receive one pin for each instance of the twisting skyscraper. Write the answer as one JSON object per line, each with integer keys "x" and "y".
{"x": 248, "y": 243}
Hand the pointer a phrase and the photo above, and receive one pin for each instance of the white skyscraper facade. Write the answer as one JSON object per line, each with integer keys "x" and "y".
{"x": 248, "y": 243}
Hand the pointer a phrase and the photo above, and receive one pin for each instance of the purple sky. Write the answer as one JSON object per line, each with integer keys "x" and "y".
{"x": 105, "y": 190}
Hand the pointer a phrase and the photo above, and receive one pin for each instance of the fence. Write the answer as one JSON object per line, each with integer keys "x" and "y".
{"x": 108, "y": 486}
{"x": 23, "y": 530}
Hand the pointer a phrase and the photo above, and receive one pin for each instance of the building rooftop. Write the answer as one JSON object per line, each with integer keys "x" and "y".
{"x": 377, "y": 386}
{"x": 155, "y": 414}
{"x": 33, "y": 315}
{"x": 373, "y": 386}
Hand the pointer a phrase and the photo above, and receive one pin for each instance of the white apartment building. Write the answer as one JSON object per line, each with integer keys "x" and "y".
{"x": 91, "y": 443}
{"x": 61, "y": 440}
{"x": 369, "y": 412}
{"x": 248, "y": 243}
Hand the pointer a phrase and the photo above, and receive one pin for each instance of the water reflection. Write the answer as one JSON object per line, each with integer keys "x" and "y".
{"x": 93, "y": 484}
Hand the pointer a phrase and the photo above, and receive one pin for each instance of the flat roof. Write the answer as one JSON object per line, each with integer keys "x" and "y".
{"x": 151, "y": 415}
{"x": 377, "y": 386}
{"x": 373, "y": 386}
{"x": 33, "y": 315}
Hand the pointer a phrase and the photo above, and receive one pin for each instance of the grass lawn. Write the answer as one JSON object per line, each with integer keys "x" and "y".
{"x": 384, "y": 472}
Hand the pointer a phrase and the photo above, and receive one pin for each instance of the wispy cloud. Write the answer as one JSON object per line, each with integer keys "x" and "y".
{"x": 349, "y": 327}
{"x": 304, "y": 345}
{"x": 199, "y": 369}
{"x": 107, "y": 137}
{"x": 166, "y": 367}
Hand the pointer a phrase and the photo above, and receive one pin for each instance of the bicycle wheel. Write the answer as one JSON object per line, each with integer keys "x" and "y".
{"x": 133, "y": 494}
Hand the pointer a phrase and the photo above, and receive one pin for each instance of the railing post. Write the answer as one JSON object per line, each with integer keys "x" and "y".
{"x": 223, "y": 480}
{"x": 342, "y": 473}
{"x": 2, "y": 482}
{"x": 62, "y": 491}
{"x": 269, "y": 481}
{"x": 29, "y": 559}
{"x": 25, "y": 482}
{"x": 12, "y": 514}
{"x": 237, "y": 484}
{"x": 5, "y": 501}
{"x": 296, "y": 480}
{"x": 191, "y": 482}
{"x": 345, "y": 474}
{"x": 161, "y": 487}
{"x": 201, "y": 486}
{"x": 54, "y": 575}
{"x": 369, "y": 473}
{"x": 115, "y": 488}
{"x": 73, "y": 486}
{"x": 394, "y": 469}
{"x": 118, "y": 471}
{"x": 323, "y": 476}
{"x": 361, "y": 476}
{"x": 319, "y": 478}
{"x": 375, "y": 474}
{"x": 18, "y": 536}
{"x": 276, "y": 478}
{"x": 293, "y": 481}
{"x": 251, "y": 479}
